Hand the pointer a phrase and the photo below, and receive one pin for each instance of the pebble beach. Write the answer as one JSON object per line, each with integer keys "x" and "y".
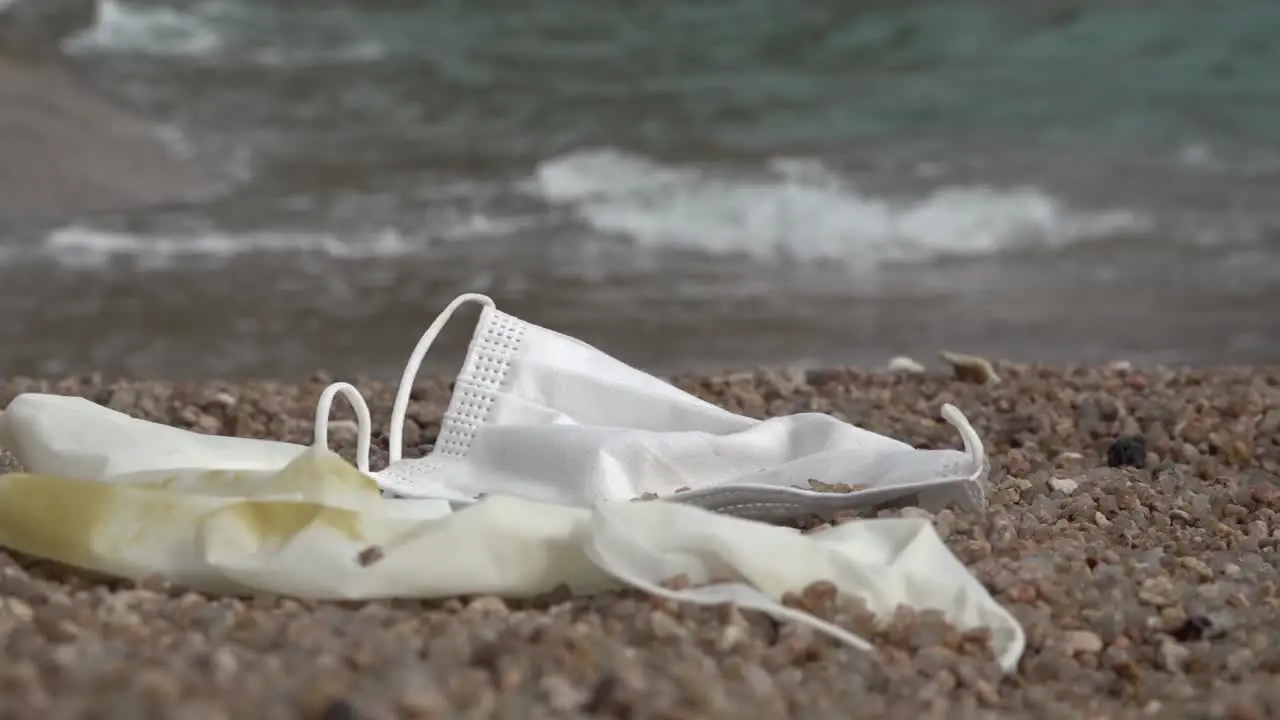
{"x": 1147, "y": 591}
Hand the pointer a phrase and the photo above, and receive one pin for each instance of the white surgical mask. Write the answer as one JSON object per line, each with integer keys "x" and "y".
{"x": 560, "y": 429}
{"x": 542, "y": 416}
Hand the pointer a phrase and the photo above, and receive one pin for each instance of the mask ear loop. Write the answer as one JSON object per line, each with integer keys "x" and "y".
{"x": 975, "y": 485}
{"x": 973, "y": 446}
{"x": 364, "y": 432}
{"x": 401, "y": 407}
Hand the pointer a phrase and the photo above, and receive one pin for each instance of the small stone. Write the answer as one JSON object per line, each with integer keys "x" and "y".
{"x": 1065, "y": 486}
{"x": 123, "y": 398}
{"x": 970, "y": 368}
{"x": 344, "y": 428}
{"x": 603, "y": 696}
{"x": 1173, "y": 657}
{"x": 1082, "y": 641}
{"x": 904, "y": 364}
{"x": 664, "y": 626}
{"x": 818, "y": 377}
{"x": 561, "y": 694}
{"x": 19, "y": 609}
{"x": 206, "y": 423}
{"x": 1241, "y": 661}
{"x": 322, "y": 697}
{"x": 1127, "y": 451}
{"x": 834, "y": 487}
{"x": 730, "y": 637}
{"x": 1069, "y": 459}
{"x": 1269, "y": 424}
{"x": 1199, "y": 567}
{"x": 339, "y": 709}
{"x": 1196, "y": 627}
{"x": 986, "y": 693}
{"x": 1245, "y": 709}
{"x": 759, "y": 680}
{"x": 488, "y": 604}
{"x": 1157, "y": 591}
{"x": 66, "y": 655}
{"x": 224, "y": 664}
{"x": 369, "y": 556}
{"x": 160, "y": 688}
{"x": 420, "y": 701}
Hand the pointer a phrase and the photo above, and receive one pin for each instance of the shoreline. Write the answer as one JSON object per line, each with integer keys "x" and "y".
{"x": 1147, "y": 592}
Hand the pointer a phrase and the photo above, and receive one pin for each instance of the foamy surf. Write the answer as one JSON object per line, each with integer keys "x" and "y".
{"x": 89, "y": 248}
{"x": 148, "y": 30}
{"x": 220, "y": 29}
{"x": 86, "y": 247}
{"x": 789, "y": 208}
{"x": 800, "y": 209}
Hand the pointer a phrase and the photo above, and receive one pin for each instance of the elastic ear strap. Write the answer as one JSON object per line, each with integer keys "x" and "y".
{"x": 401, "y": 407}
{"x": 974, "y": 492}
{"x": 364, "y": 431}
{"x": 972, "y": 443}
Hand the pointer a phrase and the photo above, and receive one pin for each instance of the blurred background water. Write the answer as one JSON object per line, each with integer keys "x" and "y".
{"x": 686, "y": 184}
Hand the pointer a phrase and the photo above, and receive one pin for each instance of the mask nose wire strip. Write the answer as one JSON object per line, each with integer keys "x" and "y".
{"x": 401, "y": 407}
{"x": 364, "y": 429}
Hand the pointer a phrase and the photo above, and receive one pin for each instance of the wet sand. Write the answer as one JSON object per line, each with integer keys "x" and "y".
{"x": 1145, "y": 592}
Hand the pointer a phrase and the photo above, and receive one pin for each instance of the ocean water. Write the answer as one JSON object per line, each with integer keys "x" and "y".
{"x": 685, "y": 184}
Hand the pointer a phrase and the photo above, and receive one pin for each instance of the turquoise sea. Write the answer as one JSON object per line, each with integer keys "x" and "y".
{"x": 686, "y": 184}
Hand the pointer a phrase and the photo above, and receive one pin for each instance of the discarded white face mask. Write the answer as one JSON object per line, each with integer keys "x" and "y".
{"x": 532, "y": 409}
{"x": 74, "y": 437}
{"x": 318, "y": 528}
{"x": 539, "y": 415}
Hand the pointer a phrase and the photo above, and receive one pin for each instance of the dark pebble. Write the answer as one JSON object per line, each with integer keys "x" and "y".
{"x": 1196, "y": 627}
{"x": 1128, "y": 451}
{"x": 339, "y": 709}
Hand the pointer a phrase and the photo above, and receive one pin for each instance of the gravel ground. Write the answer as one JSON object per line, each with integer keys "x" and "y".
{"x": 1145, "y": 592}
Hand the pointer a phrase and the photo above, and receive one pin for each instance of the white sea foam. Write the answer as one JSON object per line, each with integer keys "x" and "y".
{"x": 85, "y": 247}
{"x": 800, "y": 209}
{"x": 210, "y": 29}
{"x": 793, "y": 208}
{"x": 147, "y": 30}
